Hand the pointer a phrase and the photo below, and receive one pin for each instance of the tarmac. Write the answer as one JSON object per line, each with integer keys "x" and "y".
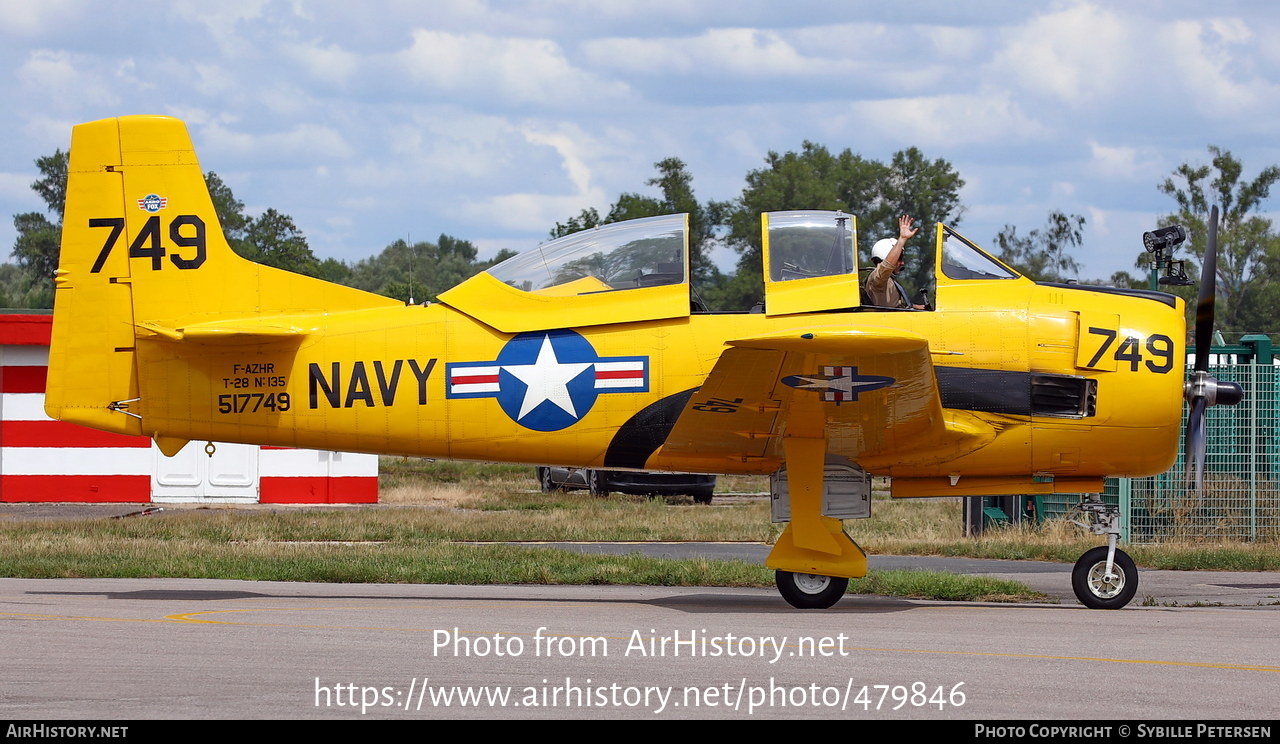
{"x": 1245, "y": 589}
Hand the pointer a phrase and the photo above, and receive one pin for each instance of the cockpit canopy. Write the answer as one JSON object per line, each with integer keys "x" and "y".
{"x": 649, "y": 252}
{"x": 961, "y": 259}
{"x": 616, "y": 273}
{"x": 638, "y": 270}
{"x": 812, "y": 261}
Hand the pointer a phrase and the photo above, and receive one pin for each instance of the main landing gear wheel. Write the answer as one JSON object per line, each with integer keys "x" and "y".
{"x": 544, "y": 480}
{"x": 1099, "y": 590}
{"x": 810, "y": 591}
{"x": 596, "y": 484}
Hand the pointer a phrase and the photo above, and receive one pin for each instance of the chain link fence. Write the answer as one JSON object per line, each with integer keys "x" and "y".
{"x": 1241, "y": 499}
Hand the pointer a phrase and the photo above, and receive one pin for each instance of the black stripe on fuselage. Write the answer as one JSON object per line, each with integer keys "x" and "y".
{"x": 642, "y": 434}
{"x": 964, "y": 388}
{"x": 1016, "y": 393}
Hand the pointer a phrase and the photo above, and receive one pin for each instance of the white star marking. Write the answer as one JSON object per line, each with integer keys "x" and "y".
{"x": 547, "y": 380}
{"x": 843, "y": 384}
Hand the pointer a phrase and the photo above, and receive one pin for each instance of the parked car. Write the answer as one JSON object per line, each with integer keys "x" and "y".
{"x": 602, "y": 482}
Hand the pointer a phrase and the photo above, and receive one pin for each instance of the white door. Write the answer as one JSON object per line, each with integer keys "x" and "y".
{"x": 230, "y": 474}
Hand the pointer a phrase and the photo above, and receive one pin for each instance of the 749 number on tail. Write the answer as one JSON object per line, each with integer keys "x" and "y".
{"x": 185, "y": 231}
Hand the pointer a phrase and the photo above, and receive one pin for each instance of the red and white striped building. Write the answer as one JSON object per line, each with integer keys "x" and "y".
{"x": 46, "y": 460}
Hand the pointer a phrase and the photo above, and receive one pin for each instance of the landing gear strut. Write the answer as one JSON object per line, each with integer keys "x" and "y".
{"x": 1105, "y": 577}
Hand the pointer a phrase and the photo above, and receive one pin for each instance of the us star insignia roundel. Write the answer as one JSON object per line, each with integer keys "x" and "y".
{"x": 838, "y": 384}
{"x": 548, "y": 380}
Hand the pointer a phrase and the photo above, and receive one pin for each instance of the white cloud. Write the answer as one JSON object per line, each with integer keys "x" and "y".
{"x": 17, "y": 186}
{"x": 308, "y": 144}
{"x": 512, "y": 70}
{"x": 531, "y": 212}
{"x": 574, "y": 166}
{"x": 739, "y": 51}
{"x": 1098, "y": 221}
{"x": 66, "y": 82}
{"x": 949, "y": 120}
{"x": 212, "y": 80}
{"x": 328, "y": 63}
{"x": 538, "y": 211}
{"x": 443, "y": 144}
{"x": 1079, "y": 55}
{"x": 1113, "y": 60}
{"x": 222, "y": 20}
{"x": 36, "y": 18}
{"x": 1122, "y": 163}
{"x": 1214, "y": 64}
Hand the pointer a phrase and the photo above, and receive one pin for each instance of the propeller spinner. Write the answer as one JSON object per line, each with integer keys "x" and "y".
{"x": 1202, "y": 389}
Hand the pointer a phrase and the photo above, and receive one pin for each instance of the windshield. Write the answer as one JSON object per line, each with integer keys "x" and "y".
{"x": 808, "y": 244}
{"x": 963, "y": 260}
{"x": 647, "y": 252}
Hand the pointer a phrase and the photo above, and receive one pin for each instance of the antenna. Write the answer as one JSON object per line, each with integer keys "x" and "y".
{"x": 413, "y": 254}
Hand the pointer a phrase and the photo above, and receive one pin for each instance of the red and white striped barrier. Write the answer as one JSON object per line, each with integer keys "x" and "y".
{"x": 46, "y": 460}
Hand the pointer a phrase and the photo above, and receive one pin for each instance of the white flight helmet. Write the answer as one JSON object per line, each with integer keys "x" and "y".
{"x": 882, "y": 247}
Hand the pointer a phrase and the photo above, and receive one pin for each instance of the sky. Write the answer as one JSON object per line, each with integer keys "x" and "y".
{"x": 491, "y": 121}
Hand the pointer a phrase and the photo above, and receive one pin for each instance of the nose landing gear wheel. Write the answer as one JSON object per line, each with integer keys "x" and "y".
{"x": 810, "y": 591}
{"x": 1099, "y": 590}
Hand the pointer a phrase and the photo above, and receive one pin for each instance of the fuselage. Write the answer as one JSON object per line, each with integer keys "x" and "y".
{"x": 433, "y": 381}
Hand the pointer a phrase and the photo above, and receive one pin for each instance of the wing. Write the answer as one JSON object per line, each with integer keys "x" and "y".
{"x": 872, "y": 394}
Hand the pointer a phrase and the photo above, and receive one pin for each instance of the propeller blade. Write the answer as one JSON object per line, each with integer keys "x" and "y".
{"x": 1195, "y": 446}
{"x": 1208, "y": 293}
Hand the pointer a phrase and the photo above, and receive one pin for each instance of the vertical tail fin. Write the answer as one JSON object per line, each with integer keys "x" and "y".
{"x": 144, "y": 258}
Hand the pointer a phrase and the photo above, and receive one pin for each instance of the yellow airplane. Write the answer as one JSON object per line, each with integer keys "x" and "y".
{"x": 587, "y": 351}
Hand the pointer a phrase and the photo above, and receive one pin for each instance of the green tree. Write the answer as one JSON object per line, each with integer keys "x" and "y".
{"x": 19, "y": 289}
{"x": 52, "y": 185}
{"x": 586, "y": 219}
{"x": 876, "y": 193}
{"x": 35, "y": 250}
{"x": 1044, "y": 254}
{"x": 1125, "y": 280}
{"x": 273, "y": 239}
{"x": 229, "y": 209}
{"x": 675, "y": 184}
{"x": 420, "y": 271}
{"x": 335, "y": 271}
{"x": 1248, "y": 247}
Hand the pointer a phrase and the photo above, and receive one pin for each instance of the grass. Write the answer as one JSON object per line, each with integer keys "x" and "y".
{"x": 342, "y": 547}
{"x": 430, "y": 510}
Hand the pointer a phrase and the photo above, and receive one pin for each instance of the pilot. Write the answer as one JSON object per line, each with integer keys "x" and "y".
{"x": 882, "y": 287}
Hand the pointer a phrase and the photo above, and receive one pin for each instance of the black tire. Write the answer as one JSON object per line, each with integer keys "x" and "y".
{"x": 544, "y": 480}
{"x": 810, "y": 591}
{"x": 596, "y": 484}
{"x": 1092, "y": 587}
{"x": 702, "y": 497}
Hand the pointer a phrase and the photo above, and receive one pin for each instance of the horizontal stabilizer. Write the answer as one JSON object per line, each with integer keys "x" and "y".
{"x": 233, "y": 332}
